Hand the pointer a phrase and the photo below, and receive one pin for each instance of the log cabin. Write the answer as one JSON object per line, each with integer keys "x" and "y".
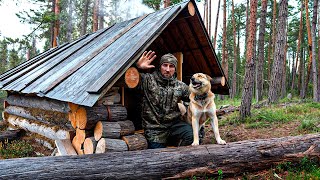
{"x": 80, "y": 94}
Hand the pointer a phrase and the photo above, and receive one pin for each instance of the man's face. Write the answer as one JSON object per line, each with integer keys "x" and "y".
{"x": 167, "y": 70}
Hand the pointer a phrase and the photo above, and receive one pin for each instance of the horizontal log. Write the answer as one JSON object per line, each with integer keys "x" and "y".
{"x": 51, "y": 132}
{"x": 232, "y": 158}
{"x": 44, "y": 116}
{"x": 110, "y": 145}
{"x": 37, "y": 102}
{"x": 11, "y": 135}
{"x": 87, "y": 117}
{"x": 110, "y": 99}
{"x": 113, "y": 129}
{"x": 135, "y": 142}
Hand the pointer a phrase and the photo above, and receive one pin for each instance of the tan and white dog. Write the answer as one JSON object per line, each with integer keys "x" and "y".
{"x": 201, "y": 107}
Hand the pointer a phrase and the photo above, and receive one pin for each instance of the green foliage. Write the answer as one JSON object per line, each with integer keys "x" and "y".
{"x": 305, "y": 169}
{"x": 15, "y": 149}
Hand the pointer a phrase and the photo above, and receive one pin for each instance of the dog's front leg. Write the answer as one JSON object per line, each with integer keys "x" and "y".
{"x": 195, "y": 128}
{"x": 214, "y": 124}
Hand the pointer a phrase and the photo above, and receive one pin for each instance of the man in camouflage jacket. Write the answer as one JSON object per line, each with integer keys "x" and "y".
{"x": 161, "y": 91}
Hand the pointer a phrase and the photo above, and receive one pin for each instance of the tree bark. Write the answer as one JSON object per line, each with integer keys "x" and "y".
{"x": 298, "y": 49}
{"x": 216, "y": 27}
{"x": 39, "y": 103}
{"x": 85, "y": 18}
{"x": 274, "y": 17}
{"x": 136, "y": 142}
{"x": 246, "y": 100}
{"x": 70, "y": 21}
{"x": 260, "y": 64}
{"x": 277, "y": 67}
{"x": 209, "y": 18}
{"x": 309, "y": 44}
{"x": 101, "y": 14}
{"x": 51, "y": 132}
{"x": 113, "y": 129}
{"x": 233, "y": 158}
{"x": 56, "y": 24}
{"x": 224, "y": 42}
{"x": 314, "y": 64}
{"x": 95, "y": 15}
{"x": 111, "y": 145}
{"x": 46, "y": 117}
{"x": 235, "y": 55}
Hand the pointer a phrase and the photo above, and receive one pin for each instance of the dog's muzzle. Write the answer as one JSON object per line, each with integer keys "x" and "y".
{"x": 195, "y": 83}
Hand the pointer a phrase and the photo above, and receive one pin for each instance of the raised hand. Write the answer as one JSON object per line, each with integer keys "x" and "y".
{"x": 146, "y": 59}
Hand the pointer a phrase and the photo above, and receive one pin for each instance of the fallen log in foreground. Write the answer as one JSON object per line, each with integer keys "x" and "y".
{"x": 233, "y": 158}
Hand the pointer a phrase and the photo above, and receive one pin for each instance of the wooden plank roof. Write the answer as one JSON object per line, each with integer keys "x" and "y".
{"x": 82, "y": 71}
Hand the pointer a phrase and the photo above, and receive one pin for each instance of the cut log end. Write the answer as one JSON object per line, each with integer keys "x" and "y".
{"x": 98, "y": 131}
{"x": 218, "y": 80}
{"x": 90, "y": 145}
{"x": 132, "y": 77}
{"x": 81, "y": 118}
{"x": 191, "y": 9}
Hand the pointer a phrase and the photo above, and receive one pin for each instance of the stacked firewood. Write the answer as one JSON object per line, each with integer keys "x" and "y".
{"x": 75, "y": 129}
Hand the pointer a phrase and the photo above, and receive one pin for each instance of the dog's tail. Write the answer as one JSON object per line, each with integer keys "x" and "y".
{"x": 182, "y": 108}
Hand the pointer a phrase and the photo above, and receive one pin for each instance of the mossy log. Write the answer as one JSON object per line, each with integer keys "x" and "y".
{"x": 39, "y": 103}
{"x": 44, "y": 116}
{"x": 51, "y": 132}
{"x": 232, "y": 159}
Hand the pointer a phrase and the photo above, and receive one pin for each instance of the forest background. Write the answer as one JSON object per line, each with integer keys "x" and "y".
{"x": 268, "y": 49}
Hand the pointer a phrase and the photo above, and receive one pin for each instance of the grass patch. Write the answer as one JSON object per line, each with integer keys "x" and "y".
{"x": 15, "y": 149}
{"x": 257, "y": 125}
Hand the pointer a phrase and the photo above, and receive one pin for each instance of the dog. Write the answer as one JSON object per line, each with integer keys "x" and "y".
{"x": 201, "y": 107}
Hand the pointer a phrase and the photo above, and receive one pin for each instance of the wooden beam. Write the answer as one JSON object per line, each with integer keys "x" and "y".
{"x": 179, "y": 57}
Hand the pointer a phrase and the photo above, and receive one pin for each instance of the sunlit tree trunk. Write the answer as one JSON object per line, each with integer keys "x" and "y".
{"x": 247, "y": 93}
{"x": 279, "y": 53}
{"x": 298, "y": 49}
{"x": 235, "y": 55}
{"x": 216, "y": 26}
{"x": 284, "y": 74}
{"x": 56, "y": 24}
{"x": 101, "y": 14}
{"x": 309, "y": 44}
{"x": 95, "y": 15}
{"x": 85, "y": 18}
{"x": 260, "y": 64}
{"x": 274, "y": 17}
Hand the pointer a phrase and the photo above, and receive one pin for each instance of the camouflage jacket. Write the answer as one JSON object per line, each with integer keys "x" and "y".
{"x": 160, "y": 104}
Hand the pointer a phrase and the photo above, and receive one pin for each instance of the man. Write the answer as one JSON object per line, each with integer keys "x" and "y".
{"x": 161, "y": 91}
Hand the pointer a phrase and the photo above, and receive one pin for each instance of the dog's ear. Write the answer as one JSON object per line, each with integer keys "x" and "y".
{"x": 208, "y": 77}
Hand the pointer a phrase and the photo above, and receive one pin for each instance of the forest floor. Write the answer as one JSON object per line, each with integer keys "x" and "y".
{"x": 288, "y": 118}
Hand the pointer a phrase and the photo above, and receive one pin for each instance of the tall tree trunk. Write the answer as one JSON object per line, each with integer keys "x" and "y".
{"x": 260, "y": 64}
{"x": 206, "y": 14}
{"x": 224, "y": 41}
{"x": 85, "y": 18}
{"x": 247, "y": 24}
{"x": 246, "y": 100}
{"x": 95, "y": 15}
{"x": 284, "y": 74}
{"x": 209, "y": 18}
{"x": 302, "y": 75}
{"x": 235, "y": 55}
{"x": 274, "y": 17}
{"x": 101, "y": 14}
{"x": 318, "y": 57}
{"x": 309, "y": 44}
{"x": 70, "y": 22}
{"x": 277, "y": 67}
{"x": 298, "y": 49}
{"x": 314, "y": 64}
{"x": 216, "y": 26}
{"x": 56, "y": 24}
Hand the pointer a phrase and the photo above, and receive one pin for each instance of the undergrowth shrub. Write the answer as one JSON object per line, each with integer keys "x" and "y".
{"x": 15, "y": 149}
